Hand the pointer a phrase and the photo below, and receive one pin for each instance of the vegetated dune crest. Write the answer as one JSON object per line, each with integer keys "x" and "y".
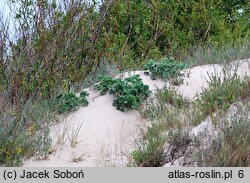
{"x": 100, "y": 135}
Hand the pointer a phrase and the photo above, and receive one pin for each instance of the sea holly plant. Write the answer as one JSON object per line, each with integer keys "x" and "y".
{"x": 70, "y": 102}
{"x": 165, "y": 69}
{"x": 129, "y": 92}
{"x": 105, "y": 85}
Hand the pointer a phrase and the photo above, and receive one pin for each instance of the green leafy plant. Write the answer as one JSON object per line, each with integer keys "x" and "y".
{"x": 129, "y": 92}
{"x": 70, "y": 102}
{"x": 165, "y": 69}
{"x": 105, "y": 85}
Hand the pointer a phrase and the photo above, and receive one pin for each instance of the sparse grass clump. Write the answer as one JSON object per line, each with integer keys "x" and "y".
{"x": 24, "y": 133}
{"x": 163, "y": 140}
{"x": 70, "y": 102}
{"x": 129, "y": 92}
{"x": 167, "y": 106}
{"x": 200, "y": 55}
{"x": 221, "y": 93}
{"x": 178, "y": 143}
{"x": 165, "y": 69}
{"x": 174, "y": 115}
{"x": 232, "y": 147}
{"x": 160, "y": 145}
{"x": 150, "y": 148}
{"x": 170, "y": 96}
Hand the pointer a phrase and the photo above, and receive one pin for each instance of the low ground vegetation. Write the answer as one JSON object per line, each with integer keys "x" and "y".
{"x": 222, "y": 92}
{"x": 89, "y": 36}
{"x": 70, "y": 102}
{"x": 231, "y": 148}
{"x": 25, "y": 133}
{"x": 165, "y": 69}
{"x": 129, "y": 92}
{"x": 172, "y": 118}
{"x": 151, "y": 148}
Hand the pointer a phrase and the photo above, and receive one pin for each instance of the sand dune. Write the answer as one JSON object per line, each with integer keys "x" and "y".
{"x": 106, "y": 136}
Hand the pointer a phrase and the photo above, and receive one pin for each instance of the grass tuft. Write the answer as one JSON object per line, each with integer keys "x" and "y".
{"x": 24, "y": 133}
{"x": 221, "y": 93}
{"x": 232, "y": 147}
{"x": 150, "y": 148}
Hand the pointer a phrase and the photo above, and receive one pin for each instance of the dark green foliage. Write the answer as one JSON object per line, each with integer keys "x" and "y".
{"x": 70, "y": 102}
{"x": 129, "y": 92}
{"x": 165, "y": 69}
{"x": 126, "y": 102}
{"x": 83, "y": 98}
{"x": 105, "y": 85}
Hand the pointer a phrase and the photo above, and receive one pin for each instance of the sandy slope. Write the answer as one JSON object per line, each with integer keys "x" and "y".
{"x": 107, "y": 135}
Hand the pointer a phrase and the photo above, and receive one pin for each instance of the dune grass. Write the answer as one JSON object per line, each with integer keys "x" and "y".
{"x": 24, "y": 133}
{"x": 232, "y": 147}
{"x": 201, "y": 55}
{"x": 172, "y": 114}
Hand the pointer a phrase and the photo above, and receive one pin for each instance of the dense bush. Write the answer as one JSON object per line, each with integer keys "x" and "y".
{"x": 123, "y": 33}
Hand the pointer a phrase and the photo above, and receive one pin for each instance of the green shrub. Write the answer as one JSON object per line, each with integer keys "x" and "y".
{"x": 70, "y": 102}
{"x": 129, "y": 92}
{"x": 165, "y": 69}
{"x": 126, "y": 102}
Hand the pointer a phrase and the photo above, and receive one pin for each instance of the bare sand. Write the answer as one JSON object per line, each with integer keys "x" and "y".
{"x": 99, "y": 135}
